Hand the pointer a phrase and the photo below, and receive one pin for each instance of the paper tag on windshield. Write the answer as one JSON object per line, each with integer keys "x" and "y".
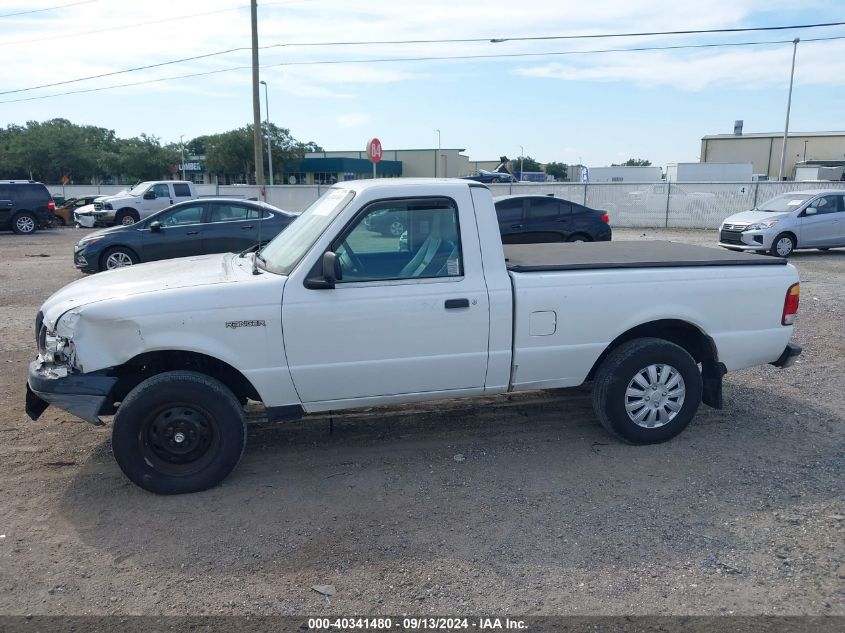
{"x": 452, "y": 266}
{"x": 795, "y": 203}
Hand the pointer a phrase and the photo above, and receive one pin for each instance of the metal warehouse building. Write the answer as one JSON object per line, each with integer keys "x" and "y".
{"x": 764, "y": 150}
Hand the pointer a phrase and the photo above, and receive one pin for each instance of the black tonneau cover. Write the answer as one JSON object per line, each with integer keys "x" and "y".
{"x": 523, "y": 258}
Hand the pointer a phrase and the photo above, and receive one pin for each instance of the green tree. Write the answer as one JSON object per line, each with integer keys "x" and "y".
{"x": 526, "y": 163}
{"x": 558, "y": 170}
{"x": 143, "y": 158}
{"x": 634, "y": 162}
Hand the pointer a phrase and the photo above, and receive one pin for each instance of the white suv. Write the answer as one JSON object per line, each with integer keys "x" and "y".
{"x": 799, "y": 219}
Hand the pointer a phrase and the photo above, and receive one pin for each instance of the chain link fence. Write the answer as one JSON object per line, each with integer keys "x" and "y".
{"x": 691, "y": 205}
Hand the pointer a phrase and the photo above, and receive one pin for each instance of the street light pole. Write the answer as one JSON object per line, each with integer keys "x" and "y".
{"x": 269, "y": 148}
{"x": 182, "y": 154}
{"x": 788, "y": 106}
{"x": 521, "y": 158}
{"x": 437, "y": 160}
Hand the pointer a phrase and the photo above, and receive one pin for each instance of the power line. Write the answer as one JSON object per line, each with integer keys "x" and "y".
{"x": 442, "y": 58}
{"x": 61, "y": 6}
{"x": 436, "y": 41}
{"x": 137, "y": 24}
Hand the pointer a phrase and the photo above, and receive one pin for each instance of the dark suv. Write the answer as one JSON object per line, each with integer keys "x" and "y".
{"x": 532, "y": 219}
{"x": 25, "y": 206}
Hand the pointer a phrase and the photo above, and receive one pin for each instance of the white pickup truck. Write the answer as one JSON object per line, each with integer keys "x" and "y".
{"x": 134, "y": 205}
{"x": 331, "y": 315}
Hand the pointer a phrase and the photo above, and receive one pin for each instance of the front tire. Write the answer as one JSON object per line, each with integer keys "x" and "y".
{"x": 118, "y": 257}
{"x": 783, "y": 245}
{"x": 126, "y": 217}
{"x": 24, "y": 223}
{"x": 179, "y": 432}
{"x": 647, "y": 391}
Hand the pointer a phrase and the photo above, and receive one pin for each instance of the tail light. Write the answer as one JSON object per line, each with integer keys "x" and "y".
{"x": 790, "y": 305}
{"x": 51, "y": 205}
{"x": 605, "y": 218}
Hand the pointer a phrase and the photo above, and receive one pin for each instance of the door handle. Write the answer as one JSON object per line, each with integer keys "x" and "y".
{"x": 244, "y": 228}
{"x": 192, "y": 233}
{"x": 453, "y": 304}
{"x": 516, "y": 226}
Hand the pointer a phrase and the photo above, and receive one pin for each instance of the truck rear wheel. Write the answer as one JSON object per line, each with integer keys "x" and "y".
{"x": 178, "y": 432}
{"x": 647, "y": 391}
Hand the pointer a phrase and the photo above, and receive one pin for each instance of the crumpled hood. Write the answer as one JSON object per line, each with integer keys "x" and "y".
{"x": 169, "y": 274}
{"x": 749, "y": 217}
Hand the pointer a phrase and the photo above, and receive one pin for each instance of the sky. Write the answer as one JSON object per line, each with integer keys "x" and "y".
{"x": 570, "y": 106}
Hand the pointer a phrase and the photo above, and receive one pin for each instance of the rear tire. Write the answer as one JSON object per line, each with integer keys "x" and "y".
{"x": 179, "y": 432}
{"x": 578, "y": 237}
{"x": 647, "y": 391}
{"x": 24, "y": 223}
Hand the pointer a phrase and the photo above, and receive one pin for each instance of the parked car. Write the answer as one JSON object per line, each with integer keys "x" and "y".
{"x": 25, "y": 206}
{"x": 390, "y": 222}
{"x": 491, "y": 176}
{"x": 138, "y": 203}
{"x": 336, "y": 319}
{"x": 196, "y": 227}
{"x": 800, "y": 219}
{"x": 64, "y": 213}
{"x": 532, "y": 219}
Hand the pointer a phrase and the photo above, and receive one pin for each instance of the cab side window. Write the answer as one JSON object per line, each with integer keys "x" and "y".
{"x": 428, "y": 247}
{"x": 544, "y": 209}
{"x": 161, "y": 190}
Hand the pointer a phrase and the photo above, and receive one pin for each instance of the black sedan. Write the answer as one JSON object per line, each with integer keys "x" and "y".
{"x": 194, "y": 227}
{"x": 533, "y": 219}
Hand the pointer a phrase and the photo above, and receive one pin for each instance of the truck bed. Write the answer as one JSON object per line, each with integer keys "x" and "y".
{"x": 524, "y": 258}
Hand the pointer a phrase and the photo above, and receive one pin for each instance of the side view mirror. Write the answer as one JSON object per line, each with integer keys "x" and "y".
{"x": 330, "y": 271}
{"x": 155, "y": 227}
{"x": 811, "y": 211}
{"x": 150, "y": 195}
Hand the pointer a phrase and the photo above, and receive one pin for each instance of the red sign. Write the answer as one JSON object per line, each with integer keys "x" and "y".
{"x": 374, "y": 150}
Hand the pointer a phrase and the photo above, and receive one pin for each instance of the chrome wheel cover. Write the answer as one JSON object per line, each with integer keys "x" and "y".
{"x": 655, "y": 396}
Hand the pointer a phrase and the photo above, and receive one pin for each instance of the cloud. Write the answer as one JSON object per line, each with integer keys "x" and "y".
{"x": 697, "y": 72}
{"x": 352, "y": 119}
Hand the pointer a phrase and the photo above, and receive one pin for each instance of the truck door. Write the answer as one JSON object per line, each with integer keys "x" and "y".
{"x": 411, "y": 314}
{"x": 163, "y": 199}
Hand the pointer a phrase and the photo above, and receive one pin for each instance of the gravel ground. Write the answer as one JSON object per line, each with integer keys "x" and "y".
{"x": 522, "y": 506}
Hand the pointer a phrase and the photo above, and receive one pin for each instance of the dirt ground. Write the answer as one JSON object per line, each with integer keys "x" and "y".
{"x": 519, "y": 506}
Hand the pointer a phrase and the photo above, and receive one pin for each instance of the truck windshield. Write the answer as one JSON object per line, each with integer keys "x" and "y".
{"x": 285, "y": 251}
{"x": 786, "y": 202}
{"x": 138, "y": 189}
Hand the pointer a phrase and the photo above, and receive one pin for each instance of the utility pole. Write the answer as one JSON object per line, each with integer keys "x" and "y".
{"x": 182, "y": 154}
{"x": 256, "y": 98}
{"x": 521, "y": 158}
{"x": 438, "y": 153}
{"x": 788, "y": 106}
{"x": 269, "y": 147}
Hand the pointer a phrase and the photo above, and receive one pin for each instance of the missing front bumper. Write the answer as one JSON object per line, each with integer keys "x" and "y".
{"x": 82, "y": 395}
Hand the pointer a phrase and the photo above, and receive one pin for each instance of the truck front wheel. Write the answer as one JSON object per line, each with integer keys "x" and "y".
{"x": 647, "y": 390}
{"x": 178, "y": 432}
{"x": 125, "y": 217}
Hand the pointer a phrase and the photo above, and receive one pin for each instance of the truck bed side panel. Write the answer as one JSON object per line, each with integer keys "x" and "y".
{"x": 739, "y": 307}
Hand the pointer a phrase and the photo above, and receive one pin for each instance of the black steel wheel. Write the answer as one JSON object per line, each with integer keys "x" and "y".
{"x": 179, "y": 432}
